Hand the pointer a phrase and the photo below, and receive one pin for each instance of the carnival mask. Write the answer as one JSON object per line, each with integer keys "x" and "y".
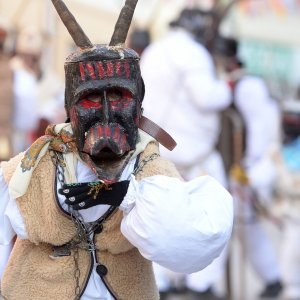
{"x": 105, "y": 126}
{"x": 104, "y": 123}
{"x": 104, "y": 112}
{"x": 103, "y": 96}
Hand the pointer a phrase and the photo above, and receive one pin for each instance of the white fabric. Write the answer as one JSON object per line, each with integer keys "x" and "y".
{"x": 258, "y": 246}
{"x": 25, "y": 113}
{"x": 184, "y": 96}
{"x": 288, "y": 189}
{"x": 199, "y": 281}
{"x": 262, "y": 121}
{"x": 208, "y": 277}
{"x": 200, "y": 210}
{"x": 25, "y": 103}
{"x": 290, "y": 258}
{"x": 50, "y": 93}
{"x": 212, "y": 165}
{"x": 10, "y": 217}
{"x": 153, "y": 225}
{"x": 95, "y": 288}
{"x": 5, "y": 253}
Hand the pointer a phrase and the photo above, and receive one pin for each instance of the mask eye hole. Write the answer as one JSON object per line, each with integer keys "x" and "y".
{"x": 114, "y": 95}
{"x": 93, "y": 100}
{"x": 118, "y": 94}
{"x": 117, "y": 97}
{"x": 93, "y": 97}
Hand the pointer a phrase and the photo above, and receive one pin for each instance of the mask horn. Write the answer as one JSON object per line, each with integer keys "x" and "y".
{"x": 76, "y": 32}
{"x": 123, "y": 23}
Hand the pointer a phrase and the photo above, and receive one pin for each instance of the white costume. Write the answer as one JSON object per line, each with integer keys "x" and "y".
{"x": 180, "y": 78}
{"x": 27, "y": 100}
{"x": 261, "y": 117}
{"x": 149, "y": 222}
{"x": 25, "y": 114}
{"x": 184, "y": 97}
{"x": 51, "y": 98}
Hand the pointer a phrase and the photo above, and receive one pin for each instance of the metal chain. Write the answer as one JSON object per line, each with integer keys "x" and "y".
{"x": 82, "y": 237}
{"x": 58, "y": 160}
{"x": 85, "y": 231}
{"x": 144, "y": 162}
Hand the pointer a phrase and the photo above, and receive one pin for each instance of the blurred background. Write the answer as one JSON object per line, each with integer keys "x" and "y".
{"x": 267, "y": 30}
{"x": 35, "y": 43}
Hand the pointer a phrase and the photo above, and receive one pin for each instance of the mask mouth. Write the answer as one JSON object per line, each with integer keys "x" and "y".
{"x": 105, "y": 154}
{"x": 106, "y": 142}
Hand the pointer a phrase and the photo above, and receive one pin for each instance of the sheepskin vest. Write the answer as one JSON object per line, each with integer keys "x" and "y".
{"x": 31, "y": 272}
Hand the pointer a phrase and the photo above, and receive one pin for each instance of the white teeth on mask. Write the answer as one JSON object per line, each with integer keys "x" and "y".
{"x": 85, "y": 134}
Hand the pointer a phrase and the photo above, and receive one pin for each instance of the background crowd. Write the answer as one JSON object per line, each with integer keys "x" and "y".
{"x": 232, "y": 119}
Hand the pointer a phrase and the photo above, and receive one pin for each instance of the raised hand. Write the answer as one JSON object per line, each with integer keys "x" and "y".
{"x": 86, "y": 195}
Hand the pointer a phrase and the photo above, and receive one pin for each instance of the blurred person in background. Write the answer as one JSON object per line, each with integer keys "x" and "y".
{"x": 50, "y": 94}
{"x": 139, "y": 40}
{"x": 30, "y": 99}
{"x": 257, "y": 174}
{"x": 39, "y": 94}
{"x": 6, "y": 109}
{"x": 288, "y": 192}
{"x": 180, "y": 79}
{"x": 26, "y": 71}
{"x": 6, "y": 94}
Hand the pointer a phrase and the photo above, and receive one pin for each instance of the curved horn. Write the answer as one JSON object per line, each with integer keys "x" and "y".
{"x": 123, "y": 23}
{"x": 76, "y": 32}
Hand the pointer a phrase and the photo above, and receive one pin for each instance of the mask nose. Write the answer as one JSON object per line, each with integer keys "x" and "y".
{"x": 106, "y": 111}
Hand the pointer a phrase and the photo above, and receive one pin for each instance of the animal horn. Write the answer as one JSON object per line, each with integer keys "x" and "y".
{"x": 76, "y": 32}
{"x": 123, "y": 23}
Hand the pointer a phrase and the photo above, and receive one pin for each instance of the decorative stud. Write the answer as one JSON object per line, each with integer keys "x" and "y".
{"x": 72, "y": 199}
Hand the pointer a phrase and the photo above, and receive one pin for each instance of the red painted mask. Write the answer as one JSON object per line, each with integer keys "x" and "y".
{"x": 104, "y": 113}
{"x": 103, "y": 96}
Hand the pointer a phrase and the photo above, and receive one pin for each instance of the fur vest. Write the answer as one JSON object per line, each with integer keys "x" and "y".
{"x": 31, "y": 273}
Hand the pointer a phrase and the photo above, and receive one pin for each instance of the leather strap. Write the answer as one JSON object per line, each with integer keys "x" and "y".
{"x": 157, "y": 132}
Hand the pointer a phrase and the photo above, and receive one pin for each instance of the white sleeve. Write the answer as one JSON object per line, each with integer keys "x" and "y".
{"x": 25, "y": 100}
{"x": 251, "y": 94}
{"x": 182, "y": 226}
{"x": 201, "y": 84}
{"x": 11, "y": 221}
{"x": 207, "y": 92}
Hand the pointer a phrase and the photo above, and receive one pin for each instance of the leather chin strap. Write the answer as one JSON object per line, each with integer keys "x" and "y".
{"x": 157, "y": 132}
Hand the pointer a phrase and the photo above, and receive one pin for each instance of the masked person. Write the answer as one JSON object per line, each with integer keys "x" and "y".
{"x": 181, "y": 80}
{"x": 92, "y": 202}
{"x": 261, "y": 117}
